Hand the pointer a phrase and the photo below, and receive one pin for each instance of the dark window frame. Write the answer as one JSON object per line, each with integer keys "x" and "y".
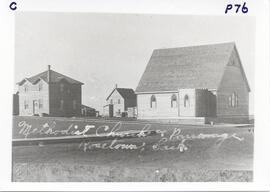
{"x": 153, "y": 101}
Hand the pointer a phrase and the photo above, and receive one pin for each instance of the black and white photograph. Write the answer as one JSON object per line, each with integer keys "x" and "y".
{"x": 105, "y": 97}
{"x": 116, "y": 95}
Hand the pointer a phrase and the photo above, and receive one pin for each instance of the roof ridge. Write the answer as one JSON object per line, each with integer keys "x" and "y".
{"x": 195, "y": 46}
{"x": 124, "y": 88}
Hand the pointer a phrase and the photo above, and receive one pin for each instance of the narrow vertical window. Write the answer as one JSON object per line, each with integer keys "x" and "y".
{"x": 186, "y": 101}
{"x": 40, "y": 102}
{"x": 233, "y": 100}
{"x": 74, "y": 104}
{"x": 26, "y": 105}
{"x": 173, "y": 101}
{"x": 25, "y": 88}
{"x": 153, "y": 102}
{"x": 40, "y": 86}
{"x": 119, "y": 101}
{"x": 236, "y": 100}
{"x": 62, "y": 87}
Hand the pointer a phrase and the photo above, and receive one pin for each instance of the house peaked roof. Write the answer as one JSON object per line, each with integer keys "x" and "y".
{"x": 126, "y": 93}
{"x": 54, "y": 77}
{"x": 200, "y": 67}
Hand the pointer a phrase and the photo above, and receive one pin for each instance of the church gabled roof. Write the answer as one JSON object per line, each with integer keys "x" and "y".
{"x": 200, "y": 67}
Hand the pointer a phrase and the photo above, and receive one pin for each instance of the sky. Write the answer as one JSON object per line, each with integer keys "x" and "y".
{"x": 102, "y": 50}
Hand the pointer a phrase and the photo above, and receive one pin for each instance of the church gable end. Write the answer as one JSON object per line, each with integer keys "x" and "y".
{"x": 232, "y": 94}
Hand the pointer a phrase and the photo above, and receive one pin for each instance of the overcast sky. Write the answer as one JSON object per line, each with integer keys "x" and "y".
{"x": 101, "y": 50}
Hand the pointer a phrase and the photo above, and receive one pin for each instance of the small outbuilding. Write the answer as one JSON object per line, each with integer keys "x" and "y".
{"x": 88, "y": 111}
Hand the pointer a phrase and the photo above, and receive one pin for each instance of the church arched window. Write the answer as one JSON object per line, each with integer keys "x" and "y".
{"x": 173, "y": 101}
{"x": 153, "y": 101}
{"x": 186, "y": 101}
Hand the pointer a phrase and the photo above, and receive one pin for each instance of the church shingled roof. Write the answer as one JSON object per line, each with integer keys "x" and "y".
{"x": 199, "y": 67}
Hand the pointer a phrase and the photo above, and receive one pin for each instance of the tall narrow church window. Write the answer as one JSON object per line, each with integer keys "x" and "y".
{"x": 173, "y": 101}
{"x": 186, "y": 101}
{"x": 233, "y": 100}
{"x": 153, "y": 102}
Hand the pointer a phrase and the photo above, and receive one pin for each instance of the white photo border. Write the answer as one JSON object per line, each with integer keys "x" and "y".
{"x": 258, "y": 9}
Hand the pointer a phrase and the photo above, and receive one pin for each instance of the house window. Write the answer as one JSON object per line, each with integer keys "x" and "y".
{"x": 153, "y": 101}
{"x": 173, "y": 101}
{"x": 186, "y": 101}
{"x": 233, "y": 100}
{"x": 62, "y": 87}
{"x": 26, "y": 88}
{"x": 61, "y": 104}
{"x": 40, "y": 101}
{"x": 26, "y": 106}
{"x": 74, "y": 104}
{"x": 111, "y": 101}
{"x": 40, "y": 86}
{"x": 119, "y": 101}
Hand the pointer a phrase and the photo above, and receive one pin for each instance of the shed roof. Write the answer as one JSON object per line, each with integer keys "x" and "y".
{"x": 54, "y": 77}
{"x": 87, "y": 107}
{"x": 199, "y": 67}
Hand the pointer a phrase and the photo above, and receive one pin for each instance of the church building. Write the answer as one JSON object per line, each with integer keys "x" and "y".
{"x": 200, "y": 84}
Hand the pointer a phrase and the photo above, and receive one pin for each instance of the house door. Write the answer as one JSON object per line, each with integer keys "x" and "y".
{"x": 35, "y": 107}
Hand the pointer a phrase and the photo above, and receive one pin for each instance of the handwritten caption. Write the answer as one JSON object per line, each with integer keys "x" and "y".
{"x": 171, "y": 139}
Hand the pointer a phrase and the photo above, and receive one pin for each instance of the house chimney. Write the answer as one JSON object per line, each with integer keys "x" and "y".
{"x": 115, "y": 86}
{"x": 49, "y": 73}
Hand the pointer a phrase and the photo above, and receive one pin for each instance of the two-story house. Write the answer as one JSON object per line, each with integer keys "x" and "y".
{"x": 118, "y": 102}
{"x": 50, "y": 93}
